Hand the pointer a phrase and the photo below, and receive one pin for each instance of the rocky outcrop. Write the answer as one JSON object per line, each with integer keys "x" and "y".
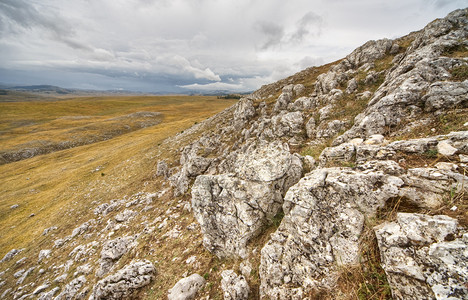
{"x": 112, "y": 251}
{"x": 72, "y": 289}
{"x": 418, "y": 81}
{"x": 233, "y": 208}
{"x": 424, "y": 257}
{"x": 124, "y": 282}
{"x": 324, "y": 217}
{"x": 186, "y": 288}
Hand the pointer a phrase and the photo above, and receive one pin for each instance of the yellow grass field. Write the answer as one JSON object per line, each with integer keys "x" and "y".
{"x": 59, "y": 188}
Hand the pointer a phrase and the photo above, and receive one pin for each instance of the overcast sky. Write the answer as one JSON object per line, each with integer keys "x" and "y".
{"x": 179, "y": 45}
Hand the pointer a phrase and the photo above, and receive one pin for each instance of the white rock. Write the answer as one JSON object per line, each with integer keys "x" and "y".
{"x": 375, "y": 139}
{"x": 446, "y": 166}
{"x": 40, "y": 289}
{"x": 124, "y": 282}
{"x": 234, "y": 287}
{"x": 446, "y": 149}
{"x": 186, "y": 288}
{"x": 245, "y": 202}
{"x": 424, "y": 257}
{"x": 43, "y": 254}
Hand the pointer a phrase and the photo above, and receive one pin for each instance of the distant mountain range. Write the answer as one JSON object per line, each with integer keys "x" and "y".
{"x": 52, "y": 89}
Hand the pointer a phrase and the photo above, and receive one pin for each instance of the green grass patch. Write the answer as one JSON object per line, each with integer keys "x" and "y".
{"x": 456, "y": 51}
{"x": 460, "y": 73}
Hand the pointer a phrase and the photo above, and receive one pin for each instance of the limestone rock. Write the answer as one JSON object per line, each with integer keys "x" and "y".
{"x": 446, "y": 149}
{"x": 12, "y": 253}
{"x": 329, "y": 129}
{"x": 302, "y": 103}
{"x": 124, "y": 282}
{"x": 43, "y": 254}
{"x": 162, "y": 169}
{"x": 48, "y": 295}
{"x": 71, "y": 289}
{"x": 125, "y": 215}
{"x": 186, "y": 288}
{"x": 112, "y": 251}
{"x": 324, "y": 215}
{"x": 298, "y": 89}
{"x": 232, "y": 208}
{"x": 289, "y": 124}
{"x": 419, "y": 79}
{"x": 24, "y": 274}
{"x": 40, "y": 289}
{"x": 244, "y": 111}
{"x": 83, "y": 228}
{"x": 352, "y": 86}
{"x": 234, "y": 287}
{"x": 310, "y": 128}
{"x": 285, "y": 98}
{"x": 47, "y": 230}
{"x": 424, "y": 257}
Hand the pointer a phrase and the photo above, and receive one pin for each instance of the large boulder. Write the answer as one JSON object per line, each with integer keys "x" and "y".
{"x": 124, "y": 282}
{"x": 424, "y": 257}
{"x": 233, "y": 208}
{"x": 324, "y": 217}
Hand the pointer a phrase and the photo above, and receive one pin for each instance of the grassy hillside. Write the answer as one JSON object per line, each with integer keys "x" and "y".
{"x": 69, "y": 180}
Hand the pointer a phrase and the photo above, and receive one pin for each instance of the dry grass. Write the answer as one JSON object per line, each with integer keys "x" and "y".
{"x": 65, "y": 183}
{"x": 444, "y": 123}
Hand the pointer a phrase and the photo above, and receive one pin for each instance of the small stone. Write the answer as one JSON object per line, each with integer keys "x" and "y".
{"x": 43, "y": 254}
{"x": 191, "y": 260}
{"x": 463, "y": 158}
{"x": 40, "y": 289}
{"x": 14, "y": 206}
{"x": 245, "y": 268}
{"x": 32, "y": 215}
{"x": 446, "y": 166}
{"x": 446, "y": 149}
{"x": 454, "y": 208}
{"x": 10, "y": 255}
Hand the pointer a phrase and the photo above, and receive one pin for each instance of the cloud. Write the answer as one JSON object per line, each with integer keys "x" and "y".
{"x": 304, "y": 26}
{"x": 21, "y": 15}
{"x": 215, "y": 86}
{"x": 182, "y": 63}
{"x": 164, "y": 44}
{"x": 272, "y": 34}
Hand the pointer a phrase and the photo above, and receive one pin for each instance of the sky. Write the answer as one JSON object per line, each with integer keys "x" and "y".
{"x": 173, "y": 46}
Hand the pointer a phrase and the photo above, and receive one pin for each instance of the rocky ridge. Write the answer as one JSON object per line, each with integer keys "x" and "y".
{"x": 316, "y": 160}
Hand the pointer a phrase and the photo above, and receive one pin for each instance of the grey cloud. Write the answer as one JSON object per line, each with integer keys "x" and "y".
{"x": 310, "y": 23}
{"x": 272, "y": 34}
{"x": 17, "y": 15}
{"x": 193, "y": 42}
